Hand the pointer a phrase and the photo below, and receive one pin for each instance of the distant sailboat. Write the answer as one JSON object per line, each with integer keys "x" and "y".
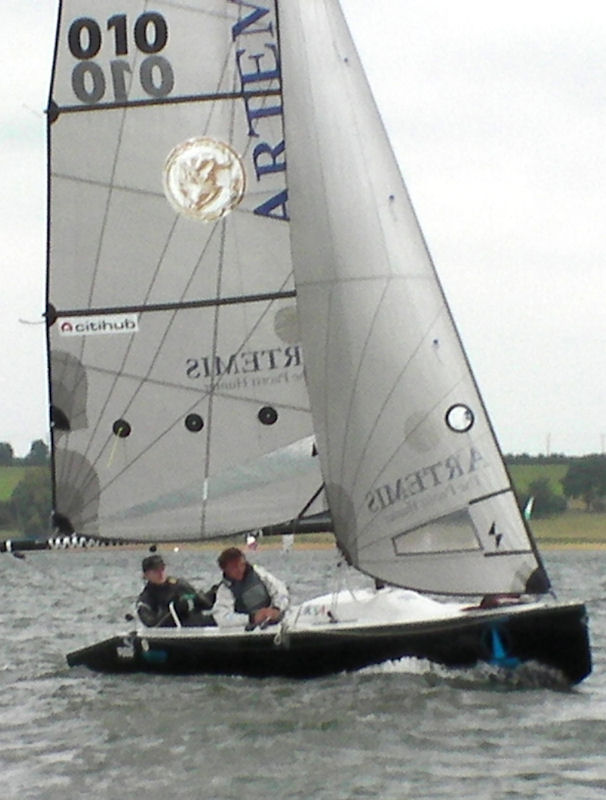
{"x": 223, "y": 198}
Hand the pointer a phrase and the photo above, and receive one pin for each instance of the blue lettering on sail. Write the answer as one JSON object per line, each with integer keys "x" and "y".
{"x": 274, "y": 165}
{"x": 258, "y": 67}
{"x": 241, "y": 27}
{"x": 259, "y": 74}
{"x": 267, "y": 208}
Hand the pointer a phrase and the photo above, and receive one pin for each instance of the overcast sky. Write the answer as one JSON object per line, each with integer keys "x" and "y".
{"x": 497, "y": 113}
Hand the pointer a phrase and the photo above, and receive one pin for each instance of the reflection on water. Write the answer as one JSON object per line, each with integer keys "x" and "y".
{"x": 401, "y": 730}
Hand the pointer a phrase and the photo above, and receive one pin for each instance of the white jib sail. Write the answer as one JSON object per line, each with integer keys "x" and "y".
{"x": 179, "y": 404}
{"x": 416, "y": 484}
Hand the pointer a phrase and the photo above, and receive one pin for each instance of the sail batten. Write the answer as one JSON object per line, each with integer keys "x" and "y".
{"x": 148, "y": 307}
{"x": 200, "y": 98}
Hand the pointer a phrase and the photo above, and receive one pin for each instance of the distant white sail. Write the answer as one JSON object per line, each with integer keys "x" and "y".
{"x": 416, "y": 484}
{"x": 179, "y": 404}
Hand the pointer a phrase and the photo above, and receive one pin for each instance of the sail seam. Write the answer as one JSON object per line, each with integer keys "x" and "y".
{"x": 387, "y": 400}
{"x": 356, "y": 380}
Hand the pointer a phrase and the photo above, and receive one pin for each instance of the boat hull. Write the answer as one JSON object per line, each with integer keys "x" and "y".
{"x": 555, "y": 637}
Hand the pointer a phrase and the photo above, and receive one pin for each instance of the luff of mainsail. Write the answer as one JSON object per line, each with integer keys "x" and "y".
{"x": 179, "y": 408}
{"x": 416, "y": 484}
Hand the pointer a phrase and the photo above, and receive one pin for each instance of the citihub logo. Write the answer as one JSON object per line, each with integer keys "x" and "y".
{"x": 94, "y": 326}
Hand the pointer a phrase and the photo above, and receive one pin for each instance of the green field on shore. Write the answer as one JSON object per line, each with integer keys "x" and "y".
{"x": 572, "y": 527}
{"x": 9, "y": 478}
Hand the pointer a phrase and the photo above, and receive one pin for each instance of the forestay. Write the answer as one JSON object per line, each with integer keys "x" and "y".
{"x": 178, "y": 400}
{"x": 416, "y": 484}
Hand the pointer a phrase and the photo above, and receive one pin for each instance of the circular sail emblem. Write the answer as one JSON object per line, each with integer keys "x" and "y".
{"x": 204, "y": 178}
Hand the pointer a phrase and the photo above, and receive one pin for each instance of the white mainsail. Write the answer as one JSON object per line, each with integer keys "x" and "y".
{"x": 416, "y": 484}
{"x": 179, "y": 403}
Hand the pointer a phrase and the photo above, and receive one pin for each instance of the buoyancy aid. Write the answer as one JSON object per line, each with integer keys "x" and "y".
{"x": 250, "y": 594}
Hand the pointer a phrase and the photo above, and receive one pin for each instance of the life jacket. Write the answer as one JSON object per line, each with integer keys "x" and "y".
{"x": 250, "y": 594}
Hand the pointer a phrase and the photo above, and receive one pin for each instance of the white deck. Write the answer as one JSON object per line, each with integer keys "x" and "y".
{"x": 350, "y": 609}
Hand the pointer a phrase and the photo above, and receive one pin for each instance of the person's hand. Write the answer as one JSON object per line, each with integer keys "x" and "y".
{"x": 184, "y": 605}
{"x": 266, "y": 615}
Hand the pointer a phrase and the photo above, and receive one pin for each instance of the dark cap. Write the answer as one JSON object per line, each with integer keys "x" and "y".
{"x": 152, "y": 562}
{"x": 231, "y": 554}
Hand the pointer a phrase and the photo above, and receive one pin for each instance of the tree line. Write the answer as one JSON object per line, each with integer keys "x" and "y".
{"x": 28, "y": 508}
{"x": 38, "y": 455}
{"x": 585, "y": 480}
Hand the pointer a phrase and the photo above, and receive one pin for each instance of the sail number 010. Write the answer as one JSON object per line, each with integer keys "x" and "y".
{"x": 150, "y": 33}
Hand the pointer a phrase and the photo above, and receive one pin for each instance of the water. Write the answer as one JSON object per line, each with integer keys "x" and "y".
{"x": 405, "y": 731}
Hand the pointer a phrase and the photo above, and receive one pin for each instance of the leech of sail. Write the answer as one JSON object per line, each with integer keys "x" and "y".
{"x": 218, "y": 301}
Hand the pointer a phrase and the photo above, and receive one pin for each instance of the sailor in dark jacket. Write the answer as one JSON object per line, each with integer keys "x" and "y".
{"x": 153, "y": 604}
{"x": 248, "y": 595}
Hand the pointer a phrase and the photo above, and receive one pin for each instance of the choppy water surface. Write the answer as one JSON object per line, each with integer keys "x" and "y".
{"x": 403, "y": 731}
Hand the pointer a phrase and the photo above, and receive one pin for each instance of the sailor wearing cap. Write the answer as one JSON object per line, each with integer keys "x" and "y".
{"x": 161, "y": 590}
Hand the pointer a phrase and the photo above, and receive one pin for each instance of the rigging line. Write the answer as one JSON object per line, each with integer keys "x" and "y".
{"x": 150, "y": 193}
{"x": 195, "y": 9}
{"x": 104, "y": 184}
{"x": 219, "y": 281}
{"x": 178, "y": 305}
{"x": 222, "y": 74}
{"x": 357, "y": 376}
{"x": 390, "y": 394}
{"x": 327, "y": 378}
{"x": 215, "y": 338}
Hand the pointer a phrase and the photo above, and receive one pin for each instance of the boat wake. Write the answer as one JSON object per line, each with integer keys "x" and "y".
{"x": 530, "y": 675}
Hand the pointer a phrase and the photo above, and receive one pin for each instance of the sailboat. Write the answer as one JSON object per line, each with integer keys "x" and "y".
{"x": 246, "y": 331}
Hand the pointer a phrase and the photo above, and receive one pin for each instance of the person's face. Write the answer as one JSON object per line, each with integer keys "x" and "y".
{"x": 155, "y": 575}
{"x": 235, "y": 569}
